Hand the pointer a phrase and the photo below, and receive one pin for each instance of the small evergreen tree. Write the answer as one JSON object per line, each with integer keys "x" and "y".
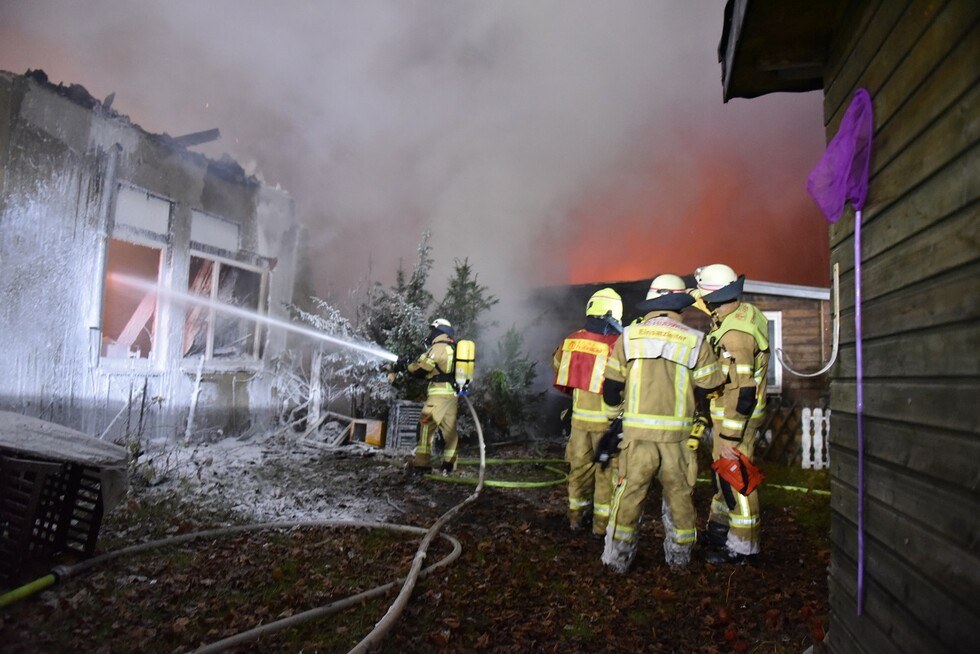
{"x": 465, "y": 301}
{"x": 395, "y": 318}
{"x": 504, "y": 399}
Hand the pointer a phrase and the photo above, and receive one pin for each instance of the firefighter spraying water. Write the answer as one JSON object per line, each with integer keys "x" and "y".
{"x": 447, "y": 366}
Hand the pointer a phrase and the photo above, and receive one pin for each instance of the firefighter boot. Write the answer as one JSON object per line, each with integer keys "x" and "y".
{"x": 724, "y": 556}
{"x": 413, "y": 470}
{"x": 714, "y": 537}
{"x": 579, "y": 519}
{"x": 618, "y": 555}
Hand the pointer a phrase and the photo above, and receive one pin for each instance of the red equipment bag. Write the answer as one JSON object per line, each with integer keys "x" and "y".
{"x": 742, "y": 474}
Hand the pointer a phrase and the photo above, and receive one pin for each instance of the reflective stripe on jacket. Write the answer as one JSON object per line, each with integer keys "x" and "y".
{"x": 436, "y": 361}
{"x": 742, "y": 338}
{"x": 661, "y": 361}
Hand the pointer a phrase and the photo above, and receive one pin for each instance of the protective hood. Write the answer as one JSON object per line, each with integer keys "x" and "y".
{"x": 603, "y": 325}
{"x": 666, "y": 302}
{"x": 726, "y": 293}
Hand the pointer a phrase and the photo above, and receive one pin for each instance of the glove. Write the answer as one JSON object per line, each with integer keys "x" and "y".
{"x": 401, "y": 364}
{"x": 609, "y": 443}
{"x": 700, "y": 424}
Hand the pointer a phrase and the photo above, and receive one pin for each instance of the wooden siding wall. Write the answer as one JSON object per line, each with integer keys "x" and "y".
{"x": 920, "y": 61}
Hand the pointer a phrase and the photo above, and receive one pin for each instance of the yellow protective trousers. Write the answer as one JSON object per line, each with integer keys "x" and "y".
{"x": 439, "y": 412}
{"x": 743, "y": 521}
{"x": 590, "y": 487}
{"x": 672, "y": 465}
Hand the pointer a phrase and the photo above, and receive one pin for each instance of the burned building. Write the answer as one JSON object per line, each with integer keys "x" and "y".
{"x": 118, "y": 250}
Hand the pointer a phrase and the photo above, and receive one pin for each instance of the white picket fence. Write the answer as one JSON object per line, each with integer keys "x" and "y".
{"x": 816, "y": 438}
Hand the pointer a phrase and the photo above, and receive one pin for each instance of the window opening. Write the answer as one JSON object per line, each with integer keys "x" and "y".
{"x": 129, "y": 314}
{"x": 218, "y": 335}
{"x": 774, "y": 383}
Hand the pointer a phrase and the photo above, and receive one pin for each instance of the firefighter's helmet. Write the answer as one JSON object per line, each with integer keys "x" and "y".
{"x": 605, "y": 302}
{"x": 442, "y": 325}
{"x": 718, "y": 283}
{"x": 667, "y": 293}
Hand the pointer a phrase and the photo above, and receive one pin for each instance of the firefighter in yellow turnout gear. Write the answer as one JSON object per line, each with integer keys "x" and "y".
{"x": 655, "y": 369}
{"x": 579, "y": 364}
{"x": 740, "y": 334}
{"x": 440, "y": 408}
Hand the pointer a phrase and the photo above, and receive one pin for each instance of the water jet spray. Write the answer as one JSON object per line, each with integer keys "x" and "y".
{"x": 190, "y": 298}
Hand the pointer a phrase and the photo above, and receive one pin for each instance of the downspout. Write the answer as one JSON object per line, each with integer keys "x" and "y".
{"x": 106, "y": 204}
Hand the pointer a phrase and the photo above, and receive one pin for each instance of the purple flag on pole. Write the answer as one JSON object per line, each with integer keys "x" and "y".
{"x": 841, "y": 175}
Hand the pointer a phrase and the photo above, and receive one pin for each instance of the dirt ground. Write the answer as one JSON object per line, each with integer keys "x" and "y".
{"x": 523, "y": 582}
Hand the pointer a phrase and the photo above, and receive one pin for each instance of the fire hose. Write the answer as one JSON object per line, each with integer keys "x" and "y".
{"x": 546, "y": 464}
{"x": 381, "y": 629}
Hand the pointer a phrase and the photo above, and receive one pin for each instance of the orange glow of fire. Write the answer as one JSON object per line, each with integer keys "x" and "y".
{"x": 719, "y": 216}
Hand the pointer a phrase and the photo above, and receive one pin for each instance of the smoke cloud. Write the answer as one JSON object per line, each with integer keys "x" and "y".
{"x": 549, "y": 142}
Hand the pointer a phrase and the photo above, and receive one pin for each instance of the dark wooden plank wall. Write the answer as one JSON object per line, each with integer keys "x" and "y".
{"x": 920, "y": 60}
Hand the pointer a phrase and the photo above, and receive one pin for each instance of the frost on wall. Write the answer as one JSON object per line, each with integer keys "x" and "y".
{"x": 90, "y": 200}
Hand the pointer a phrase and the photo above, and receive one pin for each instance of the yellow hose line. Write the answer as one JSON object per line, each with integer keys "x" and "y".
{"x": 501, "y": 483}
{"x": 27, "y": 590}
{"x": 800, "y": 489}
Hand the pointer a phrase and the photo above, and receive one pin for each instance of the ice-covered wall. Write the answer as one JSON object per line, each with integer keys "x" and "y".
{"x": 63, "y": 159}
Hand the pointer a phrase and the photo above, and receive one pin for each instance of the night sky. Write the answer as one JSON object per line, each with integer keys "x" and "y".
{"x": 548, "y": 142}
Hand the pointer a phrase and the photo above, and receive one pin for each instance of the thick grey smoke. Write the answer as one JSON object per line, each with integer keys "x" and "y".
{"x": 502, "y": 126}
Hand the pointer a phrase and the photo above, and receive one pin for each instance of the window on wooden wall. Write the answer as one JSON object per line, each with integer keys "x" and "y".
{"x": 774, "y": 383}
{"x": 135, "y": 252}
{"x": 214, "y": 333}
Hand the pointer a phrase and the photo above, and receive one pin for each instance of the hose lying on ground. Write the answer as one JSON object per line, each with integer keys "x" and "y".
{"x": 561, "y": 478}
{"x": 381, "y": 629}
{"x": 386, "y": 623}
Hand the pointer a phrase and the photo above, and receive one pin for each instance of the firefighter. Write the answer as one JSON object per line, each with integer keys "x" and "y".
{"x": 656, "y": 367}
{"x": 740, "y": 334}
{"x": 579, "y": 363}
{"x": 440, "y": 408}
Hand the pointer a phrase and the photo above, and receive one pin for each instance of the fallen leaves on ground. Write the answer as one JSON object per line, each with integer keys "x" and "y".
{"x": 524, "y": 583}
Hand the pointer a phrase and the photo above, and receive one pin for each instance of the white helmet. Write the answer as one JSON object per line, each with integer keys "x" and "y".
{"x": 667, "y": 293}
{"x": 442, "y": 325}
{"x": 664, "y": 284}
{"x": 719, "y": 283}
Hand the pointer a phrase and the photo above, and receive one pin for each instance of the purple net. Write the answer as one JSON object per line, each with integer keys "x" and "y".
{"x": 841, "y": 175}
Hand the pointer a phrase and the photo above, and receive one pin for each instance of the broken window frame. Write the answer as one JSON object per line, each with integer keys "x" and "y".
{"x": 220, "y": 260}
{"x": 143, "y": 237}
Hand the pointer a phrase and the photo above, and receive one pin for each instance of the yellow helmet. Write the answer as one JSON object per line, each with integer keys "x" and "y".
{"x": 603, "y": 302}
{"x": 718, "y": 283}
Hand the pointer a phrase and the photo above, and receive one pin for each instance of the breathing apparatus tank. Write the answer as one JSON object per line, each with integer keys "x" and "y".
{"x": 465, "y": 363}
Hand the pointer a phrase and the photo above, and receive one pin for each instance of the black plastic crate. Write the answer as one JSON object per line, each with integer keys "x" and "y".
{"x": 403, "y": 422}
{"x": 46, "y": 509}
